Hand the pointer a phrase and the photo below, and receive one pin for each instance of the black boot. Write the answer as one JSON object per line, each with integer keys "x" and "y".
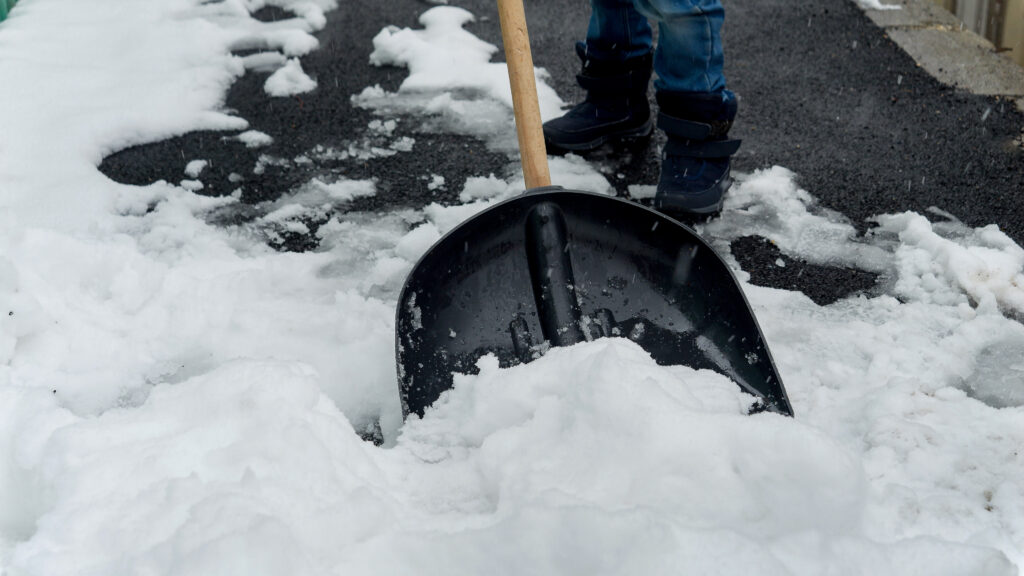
{"x": 616, "y": 106}
{"x": 695, "y": 163}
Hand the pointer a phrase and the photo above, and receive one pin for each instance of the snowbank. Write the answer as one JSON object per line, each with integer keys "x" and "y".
{"x": 592, "y": 460}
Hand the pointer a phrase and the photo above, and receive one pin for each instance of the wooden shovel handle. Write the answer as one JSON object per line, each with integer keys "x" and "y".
{"x": 524, "y": 93}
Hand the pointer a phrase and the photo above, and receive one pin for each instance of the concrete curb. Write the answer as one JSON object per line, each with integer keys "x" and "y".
{"x": 940, "y": 43}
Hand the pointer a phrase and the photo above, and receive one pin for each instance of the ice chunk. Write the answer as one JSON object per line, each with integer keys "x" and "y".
{"x": 255, "y": 139}
{"x": 194, "y": 168}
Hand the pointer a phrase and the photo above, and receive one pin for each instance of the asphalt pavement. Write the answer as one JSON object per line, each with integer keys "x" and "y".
{"x": 824, "y": 92}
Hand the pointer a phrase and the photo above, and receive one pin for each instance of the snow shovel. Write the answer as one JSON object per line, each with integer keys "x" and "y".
{"x": 555, "y": 267}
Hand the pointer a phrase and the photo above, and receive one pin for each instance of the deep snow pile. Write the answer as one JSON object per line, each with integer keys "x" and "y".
{"x": 176, "y": 398}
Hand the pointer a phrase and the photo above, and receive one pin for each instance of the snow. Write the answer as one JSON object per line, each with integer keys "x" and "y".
{"x": 443, "y": 57}
{"x": 289, "y": 80}
{"x": 264, "y": 61}
{"x": 436, "y": 182}
{"x": 877, "y": 5}
{"x": 176, "y": 397}
{"x": 773, "y": 206}
{"x": 452, "y": 83}
{"x": 958, "y": 265}
{"x": 642, "y": 191}
{"x": 255, "y": 139}
{"x": 194, "y": 168}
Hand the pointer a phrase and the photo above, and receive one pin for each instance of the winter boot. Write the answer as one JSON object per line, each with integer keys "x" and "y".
{"x": 695, "y": 161}
{"x": 615, "y": 109}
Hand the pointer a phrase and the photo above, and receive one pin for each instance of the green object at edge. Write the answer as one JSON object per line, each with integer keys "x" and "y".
{"x": 5, "y": 7}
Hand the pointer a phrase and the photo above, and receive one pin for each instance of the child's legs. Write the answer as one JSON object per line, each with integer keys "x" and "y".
{"x": 689, "y": 54}
{"x": 617, "y": 30}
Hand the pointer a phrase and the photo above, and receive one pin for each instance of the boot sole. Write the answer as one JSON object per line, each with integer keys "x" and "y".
{"x": 695, "y": 211}
{"x": 632, "y": 136}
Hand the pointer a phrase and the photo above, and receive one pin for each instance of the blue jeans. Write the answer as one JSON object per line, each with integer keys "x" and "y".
{"x": 689, "y": 54}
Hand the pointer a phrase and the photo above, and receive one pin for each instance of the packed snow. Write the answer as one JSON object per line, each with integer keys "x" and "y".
{"x": 255, "y": 139}
{"x": 194, "y": 168}
{"x": 178, "y": 398}
{"x": 877, "y": 5}
{"x": 452, "y": 84}
{"x": 289, "y": 80}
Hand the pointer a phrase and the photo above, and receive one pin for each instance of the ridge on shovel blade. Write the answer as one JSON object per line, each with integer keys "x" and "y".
{"x": 557, "y": 267}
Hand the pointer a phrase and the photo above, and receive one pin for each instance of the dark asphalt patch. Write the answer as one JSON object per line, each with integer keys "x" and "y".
{"x": 768, "y": 266}
{"x": 828, "y": 95}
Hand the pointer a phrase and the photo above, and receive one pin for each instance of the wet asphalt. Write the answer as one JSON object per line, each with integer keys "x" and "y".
{"x": 824, "y": 92}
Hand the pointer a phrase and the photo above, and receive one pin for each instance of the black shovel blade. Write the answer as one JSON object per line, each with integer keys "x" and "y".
{"x": 556, "y": 267}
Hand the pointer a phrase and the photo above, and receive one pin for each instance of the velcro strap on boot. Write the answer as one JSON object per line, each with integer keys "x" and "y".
{"x": 686, "y": 129}
{"x": 693, "y": 129}
{"x": 617, "y": 84}
{"x": 701, "y": 148}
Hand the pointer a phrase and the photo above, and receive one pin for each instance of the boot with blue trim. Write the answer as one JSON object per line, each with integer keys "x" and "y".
{"x": 695, "y": 163}
{"x": 615, "y": 109}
